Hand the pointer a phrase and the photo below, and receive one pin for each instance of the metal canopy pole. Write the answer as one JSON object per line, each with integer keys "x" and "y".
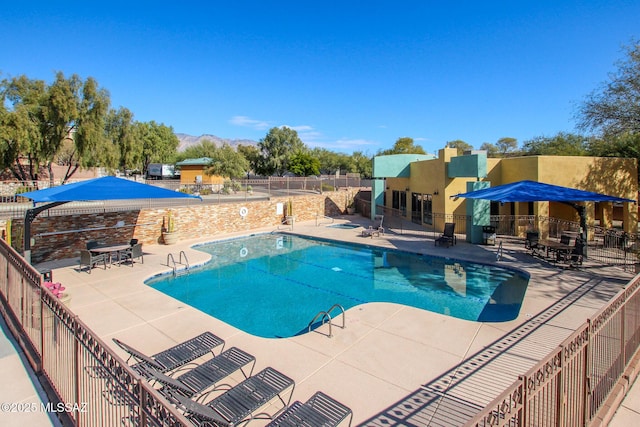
{"x": 29, "y": 216}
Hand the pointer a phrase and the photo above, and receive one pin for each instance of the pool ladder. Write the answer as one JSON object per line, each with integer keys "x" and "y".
{"x": 171, "y": 262}
{"x": 325, "y": 317}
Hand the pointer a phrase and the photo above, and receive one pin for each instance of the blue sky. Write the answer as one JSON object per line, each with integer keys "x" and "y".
{"x": 347, "y": 75}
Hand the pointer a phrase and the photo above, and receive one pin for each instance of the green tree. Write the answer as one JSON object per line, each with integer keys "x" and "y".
{"x": 506, "y": 145}
{"x": 124, "y": 150}
{"x": 404, "y": 145}
{"x": 625, "y": 145}
{"x": 492, "y": 150}
{"x": 228, "y": 163}
{"x": 460, "y": 145}
{"x": 204, "y": 148}
{"x": 251, "y": 154}
{"x": 276, "y": 149}
{"x": 362, "y": 164}
{"x": 38, "y": 118}
{"x": 614, "y": 108}
{"x": 304, "y": 164}
{"x": 562, "y": 144}
{"x": 159, "y": 143}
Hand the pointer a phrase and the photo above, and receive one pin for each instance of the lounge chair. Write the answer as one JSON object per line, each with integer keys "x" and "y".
{"x": 374, "y": 229}
{"x": 203, "y": 377}
{"x": 174, "y": 357}
{"x": 319, "y": 410}
{"x": 448, "y": 236}
{"x": 90, "y": 259}
{"x": 132, "y": 253}
{"x": 239, "y": 404}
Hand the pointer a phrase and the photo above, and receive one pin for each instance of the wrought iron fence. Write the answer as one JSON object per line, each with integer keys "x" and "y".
{"x": 94, "y": 386}
{"x": 573, "y": 385}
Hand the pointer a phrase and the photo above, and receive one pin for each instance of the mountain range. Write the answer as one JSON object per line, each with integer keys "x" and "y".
{"x": 187, "y": 141}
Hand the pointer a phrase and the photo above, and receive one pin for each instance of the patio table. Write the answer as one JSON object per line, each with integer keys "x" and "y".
{"x": 552, "y": 246}
{"x": 112, "y": 250}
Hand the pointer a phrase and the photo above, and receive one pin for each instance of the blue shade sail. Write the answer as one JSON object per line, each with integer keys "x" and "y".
{"x": 105, "y": 188}
{"x": 531, "y": 191}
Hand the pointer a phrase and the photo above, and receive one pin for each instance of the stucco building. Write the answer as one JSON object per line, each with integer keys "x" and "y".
{"x": 421, "y": 187}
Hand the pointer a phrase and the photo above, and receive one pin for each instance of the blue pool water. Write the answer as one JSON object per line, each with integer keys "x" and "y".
{"x": 346, "y": 226}
{"x": 273, "y": 285}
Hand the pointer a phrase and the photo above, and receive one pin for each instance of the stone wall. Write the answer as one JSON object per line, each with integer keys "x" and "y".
{"x": 59, "y": 237}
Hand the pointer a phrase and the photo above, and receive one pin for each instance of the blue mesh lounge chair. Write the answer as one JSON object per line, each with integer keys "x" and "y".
{"x": 174, "y": 357}
{"x": 205, "y": 377}
{"x": 239, "y": 404}
{"x": 320, "y": 410}
{"x": 448, "y": 236}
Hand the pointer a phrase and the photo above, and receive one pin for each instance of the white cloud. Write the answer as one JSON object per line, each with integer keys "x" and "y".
{"x": 245, "y": 121}
{"x": 301, "y": 128}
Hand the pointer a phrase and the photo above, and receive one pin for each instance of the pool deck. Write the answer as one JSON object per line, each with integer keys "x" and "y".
{"x": 392, "y": 364}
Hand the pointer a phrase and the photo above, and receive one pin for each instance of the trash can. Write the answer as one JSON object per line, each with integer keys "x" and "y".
{"x": 489, "y": 235}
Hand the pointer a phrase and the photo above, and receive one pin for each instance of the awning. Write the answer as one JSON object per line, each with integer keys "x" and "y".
{"x": 105, "y": 188}
{"x": 531, "y": 191}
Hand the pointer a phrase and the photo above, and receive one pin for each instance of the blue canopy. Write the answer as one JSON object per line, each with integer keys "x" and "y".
{"x": 105, "y": 188}
{"x": 531, "y": 191}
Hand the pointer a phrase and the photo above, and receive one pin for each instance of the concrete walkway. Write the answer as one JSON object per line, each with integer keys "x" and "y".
{"x": 392, "y": 364}
{"x": 21, "y": 395}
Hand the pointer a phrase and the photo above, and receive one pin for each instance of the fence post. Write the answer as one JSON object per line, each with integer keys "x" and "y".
{"x": 76, "y": 369}
{"x": 587, "y": 380}
{"x": 522, "y": 416}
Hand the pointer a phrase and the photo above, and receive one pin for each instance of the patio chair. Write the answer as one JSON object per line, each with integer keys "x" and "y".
{"x": 131, "y": 253}
{"x": 448, "y": 236}
{"x": 531, "y": 242}
{"x": 174, "y": 357}
{"x": 239, "y": 404}
{"x": 203, "y": 377}
{"x": 92, "y": 244}
{"x": 90, "y": 260}
{"x": 575, "y": 257}
{"x": 319, "y": 410}
{"x": 374, "y": 230}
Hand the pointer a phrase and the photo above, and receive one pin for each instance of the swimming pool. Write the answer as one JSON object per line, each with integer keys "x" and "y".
{"x": 273, "y": 285}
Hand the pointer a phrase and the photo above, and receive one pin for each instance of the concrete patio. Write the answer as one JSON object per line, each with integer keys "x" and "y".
{"x": 392, "y": 364}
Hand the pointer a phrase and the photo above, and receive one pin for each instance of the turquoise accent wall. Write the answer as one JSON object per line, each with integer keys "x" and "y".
{"x": 377, "y": 195}
{"x": 469, "y": 166}
{"x": 397, "y": 165}
{"x": 479, "y": 211}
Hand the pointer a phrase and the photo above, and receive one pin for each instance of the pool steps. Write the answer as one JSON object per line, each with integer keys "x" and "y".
{"x": 171, "y": 262}
{"x": 325, "y": 316}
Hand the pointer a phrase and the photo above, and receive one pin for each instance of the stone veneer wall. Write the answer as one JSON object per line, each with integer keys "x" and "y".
{"x": 146, "y": 224}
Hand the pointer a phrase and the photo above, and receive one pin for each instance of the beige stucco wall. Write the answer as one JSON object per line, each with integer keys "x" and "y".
{"x": 188, "y": 175}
